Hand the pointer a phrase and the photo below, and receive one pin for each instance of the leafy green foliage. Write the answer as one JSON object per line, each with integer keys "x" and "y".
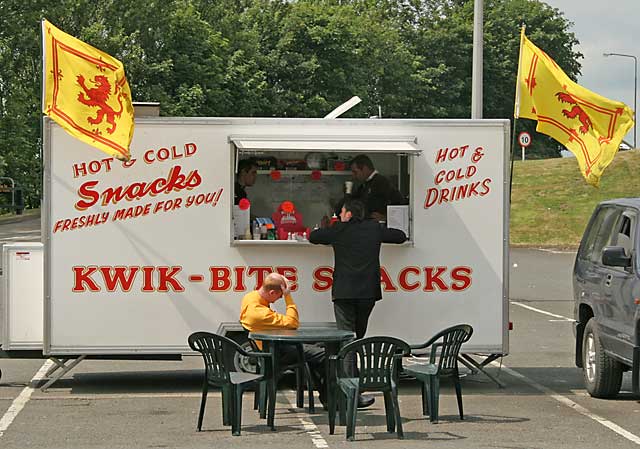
{"x": 409, "y": 59}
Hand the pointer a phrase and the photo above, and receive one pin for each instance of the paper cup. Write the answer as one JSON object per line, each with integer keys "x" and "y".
{"x": 348, "y": 186}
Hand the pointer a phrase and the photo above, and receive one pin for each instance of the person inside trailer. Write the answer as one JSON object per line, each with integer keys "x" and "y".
{"x": 375, "y": 190}
{"x": 247, "y": 173}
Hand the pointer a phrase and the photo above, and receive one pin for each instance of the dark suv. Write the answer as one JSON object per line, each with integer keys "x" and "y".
{"x": 606, "y": 290}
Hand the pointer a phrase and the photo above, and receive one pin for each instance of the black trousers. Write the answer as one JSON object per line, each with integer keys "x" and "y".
{"x": 353, "y": 315}
{"x": 314, "y": 355}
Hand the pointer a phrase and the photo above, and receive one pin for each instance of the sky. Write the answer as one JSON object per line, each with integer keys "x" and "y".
{"x": 606, "y": 27}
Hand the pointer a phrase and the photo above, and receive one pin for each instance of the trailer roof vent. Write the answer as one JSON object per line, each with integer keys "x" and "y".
{"x": 146, "y": 109}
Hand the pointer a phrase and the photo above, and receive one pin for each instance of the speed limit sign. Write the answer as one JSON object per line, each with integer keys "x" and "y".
{"x": 524, "y": 138}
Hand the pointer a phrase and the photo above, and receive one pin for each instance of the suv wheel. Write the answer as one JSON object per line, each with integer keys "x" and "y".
{"x": 602, "y": 374}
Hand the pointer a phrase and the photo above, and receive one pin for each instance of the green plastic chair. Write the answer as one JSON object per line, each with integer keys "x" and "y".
{"x": 213, "y": 349}
{"x": 379, "y": 360}
{"x": 443, "y": 362}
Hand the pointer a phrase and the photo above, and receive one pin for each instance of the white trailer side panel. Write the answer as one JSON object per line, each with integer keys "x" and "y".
{"x": 22, "y": 296}
{"x": 141, "y": 283}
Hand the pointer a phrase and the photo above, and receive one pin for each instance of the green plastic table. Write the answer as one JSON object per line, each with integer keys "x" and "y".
{"x": 332, "y": 338}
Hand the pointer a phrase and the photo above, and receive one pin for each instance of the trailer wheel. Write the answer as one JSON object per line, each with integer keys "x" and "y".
{"x": 602, "y": 374}
{"x": 238, "y": 362}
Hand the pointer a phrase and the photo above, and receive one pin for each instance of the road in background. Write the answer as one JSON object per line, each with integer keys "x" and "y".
{"x": 540, "y": 275}
{"x": 20, "y": 228}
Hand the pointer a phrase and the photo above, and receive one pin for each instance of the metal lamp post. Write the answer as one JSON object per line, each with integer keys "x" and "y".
{"x": 635, "y": 88}
{"x": 477, "y": 63}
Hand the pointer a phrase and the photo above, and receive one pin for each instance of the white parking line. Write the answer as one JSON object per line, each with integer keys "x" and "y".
{"x": 562, "y": 399}
{"x": 572, "y": 405}
{"x": 18, "y": 403}
{"x": 312, "y": 430}
{"x": 556, "y": 251}
{"x": 544, "y": 312}
{"x": 112, "y": 396}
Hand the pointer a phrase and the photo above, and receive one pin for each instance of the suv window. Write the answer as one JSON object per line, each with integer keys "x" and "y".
{"x": 599, "y": 234}
{"x": 624, "y": 232}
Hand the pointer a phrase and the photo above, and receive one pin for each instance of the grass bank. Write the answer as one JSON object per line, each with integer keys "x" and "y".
{"x": 551, "y": 203}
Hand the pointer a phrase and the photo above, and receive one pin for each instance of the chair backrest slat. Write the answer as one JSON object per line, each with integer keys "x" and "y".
{"x": 377, "y": 360}
{"x": 449, "y": 342}
{"x": 214, "y": 348}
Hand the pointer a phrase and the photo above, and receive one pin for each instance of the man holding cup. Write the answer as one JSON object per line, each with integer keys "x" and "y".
{"x": 375, "y": 190}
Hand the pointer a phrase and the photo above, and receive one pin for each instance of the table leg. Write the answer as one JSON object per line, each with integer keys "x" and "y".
{"x": 273, "y": 385}
{"x": 332, "y": 348}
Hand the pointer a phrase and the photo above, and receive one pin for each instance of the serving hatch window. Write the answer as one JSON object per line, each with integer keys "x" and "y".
{"x": 311, "y": 179}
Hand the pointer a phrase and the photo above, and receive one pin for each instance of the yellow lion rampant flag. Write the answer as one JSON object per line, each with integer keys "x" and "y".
{"x": 589, "y": 125}
{"x": 86, "y": 92}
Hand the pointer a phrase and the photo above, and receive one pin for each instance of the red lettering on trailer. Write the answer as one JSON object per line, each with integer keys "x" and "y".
{"x": 261, "y": 273}
{"x": 162, "y": 154}
{"x": 82, "y": 277}
{"x": 432, "y": 279}
{"x": 455, "y": 174}
{"x": 451, "y": 154}
{"x": 240, "y": 287}
{"x": 220, "y": 279}
{"x": 461, "y": 277}
{"x": 386, "y": 280}
{"x": 90, "y": 196}
{"x": 167, "y": 278}
{"x": 322, "y": 279}
{"x": 404, "y": 283}
{"x": 291, "y": 273}
{"x": 175, "y": 181}
{"x": 458, "y": 192}
{"x": 147, "y": 284}
{"x": 224, "y": 278}
{"x": 123, "y": 276}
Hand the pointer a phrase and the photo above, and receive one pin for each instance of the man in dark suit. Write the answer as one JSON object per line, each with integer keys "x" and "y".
{"x": 375, "y": 190}
{"x": 356, "y": 275}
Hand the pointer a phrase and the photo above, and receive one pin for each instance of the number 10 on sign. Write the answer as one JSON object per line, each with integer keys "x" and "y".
{"x": 524, "y": 138}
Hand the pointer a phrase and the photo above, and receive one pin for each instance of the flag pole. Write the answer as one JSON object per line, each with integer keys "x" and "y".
{"x": 516, "y": 110}
{"x": 513, "y": 149}
{"x": 516, "y": 104}
{"x": 43, "y": 63}
{"x": 43, "y": 74}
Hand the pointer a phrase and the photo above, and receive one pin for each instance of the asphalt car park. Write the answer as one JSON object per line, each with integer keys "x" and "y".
{"x": 154, "y": 404}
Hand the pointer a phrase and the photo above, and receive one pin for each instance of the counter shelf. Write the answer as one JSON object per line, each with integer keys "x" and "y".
{"x": 408, "y": 243}
{"x": 306, "y": 172}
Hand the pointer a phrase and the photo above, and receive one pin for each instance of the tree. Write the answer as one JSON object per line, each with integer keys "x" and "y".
{"x": 318, "y": 54}
{"x": 20, "y": 75}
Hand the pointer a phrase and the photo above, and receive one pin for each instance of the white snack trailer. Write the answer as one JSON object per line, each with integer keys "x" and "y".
{"x": 139, "y": 255}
